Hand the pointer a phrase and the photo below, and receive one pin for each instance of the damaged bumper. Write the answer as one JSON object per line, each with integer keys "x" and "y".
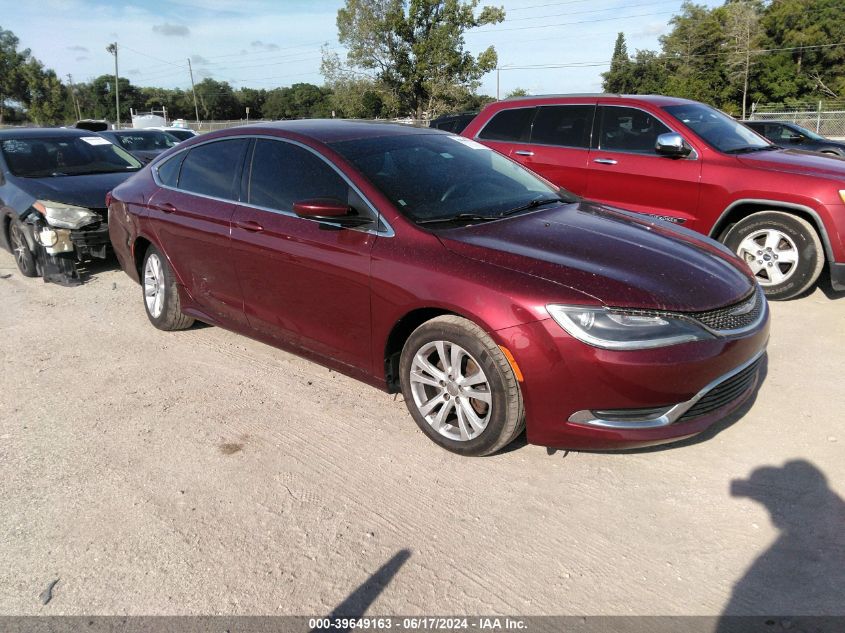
{"x": 58, "y": 250}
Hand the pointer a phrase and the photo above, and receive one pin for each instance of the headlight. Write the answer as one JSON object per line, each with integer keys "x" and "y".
{"x": 607, "y": 329}
{"x": 842, "y": 194}
{"x": 65, "y": 216}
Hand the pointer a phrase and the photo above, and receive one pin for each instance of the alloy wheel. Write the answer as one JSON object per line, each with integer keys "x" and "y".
{"x": 19, "y": 247}
{"x": 450, "y": 390}
{"x": 771, "y": 255}
{"x": 154, "y": 286}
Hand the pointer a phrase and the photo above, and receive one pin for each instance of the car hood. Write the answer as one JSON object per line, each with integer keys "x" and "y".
{"x": 84, "y": 191}
{"x": 618, "y": 258}
{"x": 796, "y": 161}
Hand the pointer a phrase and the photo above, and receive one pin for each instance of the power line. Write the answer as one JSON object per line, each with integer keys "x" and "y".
{"x": 557, "y": 15}
{"x": 547, "y": 26}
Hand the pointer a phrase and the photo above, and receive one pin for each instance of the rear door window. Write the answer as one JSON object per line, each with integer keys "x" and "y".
{"x": 168, "y": 171}
{"x": 629, "y": 130}
{"x": 509, "y": 125}
{"x": 565, "y": 126}
{"x": 214, "y": 169}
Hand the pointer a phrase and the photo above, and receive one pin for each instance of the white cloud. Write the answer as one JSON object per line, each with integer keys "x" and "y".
{"x": 171, "y": 30}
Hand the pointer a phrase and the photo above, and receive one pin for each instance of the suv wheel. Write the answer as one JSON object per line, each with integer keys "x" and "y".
{"x": 783, "y": 251}
{"x": 460, "y": 388}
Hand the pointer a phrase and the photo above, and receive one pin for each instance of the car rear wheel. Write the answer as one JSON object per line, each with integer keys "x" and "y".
{"x": 460, "y": 388}
{"x": 23, "y": 256}
{"x": 161, "y": 296}
{"x": 783, "y": 251}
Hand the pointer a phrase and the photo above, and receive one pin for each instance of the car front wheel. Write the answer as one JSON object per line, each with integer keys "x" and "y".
{"x": 783, "y": 251}
{"x": 23, "y": 256}
{"x": 161, "y": 296}
{"x": 460, "y": 388}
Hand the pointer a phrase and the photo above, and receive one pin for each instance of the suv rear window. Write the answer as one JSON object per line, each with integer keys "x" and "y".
{"x": 508, "y": 125}
{"x": 566, "y": 126}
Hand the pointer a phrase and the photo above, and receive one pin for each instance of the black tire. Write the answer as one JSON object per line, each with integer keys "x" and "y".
{"x": 505, "y": 415}
{"x": 168, "y": 315}
{"x": 20, "y": 249}
{"x": 799, "y": 276}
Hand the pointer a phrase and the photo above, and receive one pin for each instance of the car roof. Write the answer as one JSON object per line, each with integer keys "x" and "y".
{"x": 335, "y": 130}
{"x": 658, "y": 100}
{"x": 43, "y": 132}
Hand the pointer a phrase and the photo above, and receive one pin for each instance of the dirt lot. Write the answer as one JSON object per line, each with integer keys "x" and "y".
{"x": 202, "y": 472}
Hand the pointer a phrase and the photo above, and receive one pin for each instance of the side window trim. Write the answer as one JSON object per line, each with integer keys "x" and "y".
{"x": 599, "y": 125}
{"x": 187, "y": 150}
{"x": 589, "y": 146}
{"x": 384, "y": 229}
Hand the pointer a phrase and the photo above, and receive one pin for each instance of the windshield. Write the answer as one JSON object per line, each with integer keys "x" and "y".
{"x": 65, "y": 156}
{"x": 434, "y": 176}
{"x": 717, "y": 128}
{"x": 146, "y": 141}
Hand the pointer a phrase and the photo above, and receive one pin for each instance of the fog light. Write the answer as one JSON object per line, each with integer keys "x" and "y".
{"x": 48, "y": 237}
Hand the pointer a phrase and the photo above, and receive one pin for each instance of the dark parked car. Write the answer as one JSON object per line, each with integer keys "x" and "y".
{"x": 454, "y": 123}
{"x": 788, "y": 134}
{"x": 143, "y": 144}
{"x": 782, "y": 211}
{"x": 53, "y": 185}
{"x": 420, "y": 261}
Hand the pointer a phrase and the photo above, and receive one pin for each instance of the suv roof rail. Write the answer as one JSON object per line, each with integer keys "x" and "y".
{"x": 571, "y": 94}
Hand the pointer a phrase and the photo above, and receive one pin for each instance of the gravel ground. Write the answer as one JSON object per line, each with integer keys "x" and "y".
{"x": 201, "y": 472}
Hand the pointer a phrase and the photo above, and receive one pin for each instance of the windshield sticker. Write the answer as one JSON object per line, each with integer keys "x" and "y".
{"x": 468, "y": 142}
{"x": 95, "y": 140}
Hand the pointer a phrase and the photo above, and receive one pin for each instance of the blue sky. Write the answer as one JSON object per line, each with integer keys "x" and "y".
{"x": 265, "y": 44}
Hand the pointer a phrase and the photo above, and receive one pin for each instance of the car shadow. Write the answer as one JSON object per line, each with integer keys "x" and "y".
{"x": 356, "y": 603}
{"x": 826, "y": 287}
{"x": 797, "y": 582}
{"x": 90, "y": 269}
{"x": 704, "y": 436}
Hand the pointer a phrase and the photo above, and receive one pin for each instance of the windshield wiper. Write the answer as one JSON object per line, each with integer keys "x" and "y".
{"x": 751, "y": 148}
{"x": 533, "y": 204}
{"x": 460, "y": 217}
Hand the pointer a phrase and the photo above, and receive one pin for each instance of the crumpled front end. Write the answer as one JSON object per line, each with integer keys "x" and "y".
{"x": 59, "y": 243}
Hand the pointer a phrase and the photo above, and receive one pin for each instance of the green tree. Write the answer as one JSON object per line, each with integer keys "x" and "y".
{"x": 618, "y": 78}
{"x": 12, "y": 78}
{"x": 217, "y": 100}
{"x": 517, "y": 92}
{"x": 415, "y": 48}
{"x": 298, "y": 101}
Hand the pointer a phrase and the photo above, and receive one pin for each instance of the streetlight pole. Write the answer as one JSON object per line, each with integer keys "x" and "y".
{"x": 193, "y": 90}
{"x": 112, "y": 48}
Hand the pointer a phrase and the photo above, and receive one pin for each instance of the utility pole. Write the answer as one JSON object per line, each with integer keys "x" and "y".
{"x": 112, "y": 48}
{"x": 193, "y": 90}
{"x": 73, "y": 96}
{"x": 497, "y": 82}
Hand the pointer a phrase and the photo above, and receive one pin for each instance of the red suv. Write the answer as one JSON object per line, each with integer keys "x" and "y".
{"x": 782, "y": 211}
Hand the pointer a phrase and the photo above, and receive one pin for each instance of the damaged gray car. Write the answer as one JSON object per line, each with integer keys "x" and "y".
{"x": 53, "y": 186}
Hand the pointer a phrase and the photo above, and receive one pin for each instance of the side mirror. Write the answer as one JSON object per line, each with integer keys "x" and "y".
{"x": 329, "y": 210}
{"x": 672, "y": 144}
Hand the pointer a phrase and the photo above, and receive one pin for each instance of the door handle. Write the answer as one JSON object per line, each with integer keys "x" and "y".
{"x": 249, "y": 225}
{"x": 523, "y": 152}
{"x": 604, "y": 161}
{"x": 166, "y": 207}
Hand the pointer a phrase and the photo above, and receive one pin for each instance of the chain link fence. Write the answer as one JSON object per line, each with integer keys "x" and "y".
{"x": 823, "y": 117}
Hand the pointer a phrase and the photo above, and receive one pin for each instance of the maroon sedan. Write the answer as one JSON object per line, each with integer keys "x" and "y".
{"x": 420, "y": 261}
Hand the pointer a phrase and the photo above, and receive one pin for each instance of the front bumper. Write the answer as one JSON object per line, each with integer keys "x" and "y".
{"x": 582, "y": 397}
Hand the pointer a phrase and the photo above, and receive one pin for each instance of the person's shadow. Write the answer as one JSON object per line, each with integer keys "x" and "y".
{"x": 803, "y": 573}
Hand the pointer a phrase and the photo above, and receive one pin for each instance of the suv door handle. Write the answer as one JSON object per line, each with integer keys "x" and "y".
{"x": 604, "y": 161}
{"x": 523, "y": 152}
{"x": 249, "y": 225}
